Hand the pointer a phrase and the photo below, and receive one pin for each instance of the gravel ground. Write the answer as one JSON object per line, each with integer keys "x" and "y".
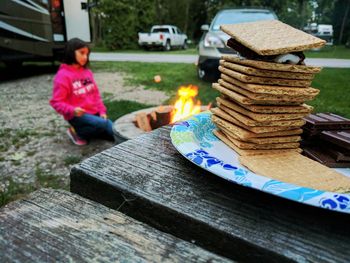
{"x": 33, "y": 144}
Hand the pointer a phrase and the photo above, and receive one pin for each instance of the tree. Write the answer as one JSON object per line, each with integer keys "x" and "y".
{"x": 324, "y": 11}
{"x": 341, "y": 21}
{"x": 123, "y": 19}
{"x": 344, "y": 21}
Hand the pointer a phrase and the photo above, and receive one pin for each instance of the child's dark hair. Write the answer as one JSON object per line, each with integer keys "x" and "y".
{"x": 69, "y": 51}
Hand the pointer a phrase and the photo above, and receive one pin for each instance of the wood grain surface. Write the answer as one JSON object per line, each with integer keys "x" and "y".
{"x": 58, "y": 226}
{"x": 149, "y": 180}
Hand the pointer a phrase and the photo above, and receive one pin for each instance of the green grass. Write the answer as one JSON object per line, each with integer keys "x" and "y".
{"x": 71, "y": 159}
{"x": 119, "y": 108}
{"x": 15, "y": 190}
{"x": 330, "y": 52}
{"x": 14, "y": 137}
{"x": 340, "y": 52}
{"x": 5, "y": 143}
{"x": 334, "y": 91}
{"x": 333, "y": 83}
{"x": 48, "y": 180}
{"x": 173, "y": 76}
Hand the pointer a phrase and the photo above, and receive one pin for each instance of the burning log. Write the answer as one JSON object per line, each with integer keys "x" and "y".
{"x": 158, "y": 118}
{"x": 163, "y": 116}
{"x": 185, "y": 106}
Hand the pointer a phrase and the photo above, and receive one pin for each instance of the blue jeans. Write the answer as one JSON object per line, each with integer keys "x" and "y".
{"x": 90, "y": 126}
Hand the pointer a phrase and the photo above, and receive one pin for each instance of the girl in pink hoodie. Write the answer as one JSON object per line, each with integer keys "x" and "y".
{"x": 77, "y": 98}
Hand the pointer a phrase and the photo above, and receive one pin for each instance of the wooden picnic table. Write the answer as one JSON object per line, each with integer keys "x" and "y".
{"x": 58, "y": 226}
{"x": 146, "y": 178}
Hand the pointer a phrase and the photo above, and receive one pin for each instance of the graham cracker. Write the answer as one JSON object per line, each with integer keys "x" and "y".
{"x": 245, "y": 134}
{"x": 272, "y": 65}
{"x": 262, "y": 96}
{"x": 259, "y": 131}
{"x": 261, "y": 117}
{"x": 298, "y": 170}
{"x": 242, "y": 152}
{"x": 265, "y": 73}
{"x": 254, "y": 146}
{"x": 248, "y": 101}
{"x": 222, "y": 114}
{"x": 251, "y": 122}
{"x": 303, "y": 108}
{"x": 271, "y": 37}
{"x": 272, "y": 90}
{"x": 263, "y": 141}
{"x": 264, "y": 80}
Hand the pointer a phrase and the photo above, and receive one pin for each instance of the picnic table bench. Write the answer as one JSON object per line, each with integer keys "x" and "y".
{"x": 147, "y": 179}
{"x": 58, "y": 226}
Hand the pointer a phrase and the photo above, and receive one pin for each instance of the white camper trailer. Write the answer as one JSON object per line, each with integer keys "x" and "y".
{"x": 39, "y": 29}
{"x": 322, "y": 31}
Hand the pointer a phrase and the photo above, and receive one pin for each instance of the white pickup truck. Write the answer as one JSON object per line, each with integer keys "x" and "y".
{"x": 164, "y": 36}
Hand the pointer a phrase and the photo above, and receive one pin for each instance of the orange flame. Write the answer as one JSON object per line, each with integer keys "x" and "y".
{"x": 185, "y": 105}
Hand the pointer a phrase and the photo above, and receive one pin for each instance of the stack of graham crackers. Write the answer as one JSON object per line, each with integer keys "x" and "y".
{"x": 262, "y": 102}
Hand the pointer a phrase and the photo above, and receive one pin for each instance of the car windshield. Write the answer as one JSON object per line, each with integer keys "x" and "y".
{"x": 160, "y": 30}
{"x": 234, "y": 17}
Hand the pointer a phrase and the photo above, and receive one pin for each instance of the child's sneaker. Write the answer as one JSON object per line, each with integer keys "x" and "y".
{"x": 75, "y": 138}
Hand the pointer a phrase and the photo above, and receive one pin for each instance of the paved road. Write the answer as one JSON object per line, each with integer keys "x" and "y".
{"x": 322, "y": 62}
{"x": 328, "y": 62}
{"x": 143, "y": 57}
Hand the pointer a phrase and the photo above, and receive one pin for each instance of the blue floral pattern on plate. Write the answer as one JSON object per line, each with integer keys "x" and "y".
{"x": 200, "y": 146}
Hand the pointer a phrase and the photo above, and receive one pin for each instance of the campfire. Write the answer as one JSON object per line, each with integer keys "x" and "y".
{"x": 185, "y": 106}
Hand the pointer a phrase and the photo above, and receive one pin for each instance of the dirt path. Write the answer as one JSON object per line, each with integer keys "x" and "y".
{"x": 34, "y": 148}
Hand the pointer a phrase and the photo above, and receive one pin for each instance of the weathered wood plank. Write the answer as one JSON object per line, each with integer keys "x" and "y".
{"x": 148, "y": 179}
{"x": 55, "y": 225}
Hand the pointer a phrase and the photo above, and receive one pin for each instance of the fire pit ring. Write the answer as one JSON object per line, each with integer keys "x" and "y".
{"x": 124, "y": 128}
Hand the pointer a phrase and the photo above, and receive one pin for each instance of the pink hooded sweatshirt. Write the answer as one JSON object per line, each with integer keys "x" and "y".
{"x": 73, "y": 88}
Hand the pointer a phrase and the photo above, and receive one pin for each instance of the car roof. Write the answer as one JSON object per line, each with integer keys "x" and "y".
{"x": 163, "y": 26}
{"x": 246, "y": 10}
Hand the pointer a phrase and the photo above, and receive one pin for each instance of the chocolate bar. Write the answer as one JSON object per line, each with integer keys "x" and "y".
{"x": 247, "y": 52}
{"x": 340, "y": 138}
{"x": 251, "y": 54}
{"x": 316, "y": 123}
{"x": 339, "y": 155}
{"x": 324, "y": 157}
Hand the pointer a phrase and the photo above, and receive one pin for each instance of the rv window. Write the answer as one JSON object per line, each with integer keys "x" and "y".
{"x": 160, "y": 30}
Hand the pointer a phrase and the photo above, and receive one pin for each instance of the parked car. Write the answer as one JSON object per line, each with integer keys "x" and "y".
{"x": 213, "y": 42}
{"x": 163, "y": 36}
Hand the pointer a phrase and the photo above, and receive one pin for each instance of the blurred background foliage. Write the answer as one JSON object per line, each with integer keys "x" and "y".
{"x": 116, "y": 23}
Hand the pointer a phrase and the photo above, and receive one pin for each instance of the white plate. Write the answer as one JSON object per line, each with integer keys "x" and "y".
{"x": 195, "y": 140}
